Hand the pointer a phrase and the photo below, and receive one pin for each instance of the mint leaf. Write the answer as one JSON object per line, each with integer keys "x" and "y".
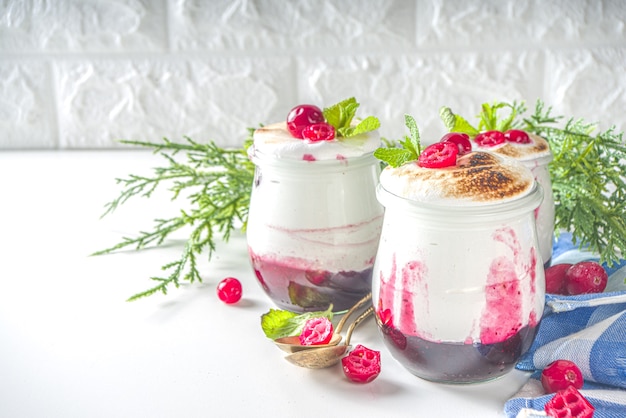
{"x": 278, "y": 323}
{"x": 412, "y": 143}
{"x": 410, "y": 150}
{"x": 510, "y": 122}
{"x": 488, "y": 117}
{"x": 274, "y": 321}
{"x": 395, "y": 157}
{"x": 368, "y": 124}
{"x": 340, "y": 115}
{"x": 455, "y": 123}
{"x": 344, "y": 132}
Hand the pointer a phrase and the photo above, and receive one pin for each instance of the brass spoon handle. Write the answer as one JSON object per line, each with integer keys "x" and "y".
{"x": 359, "y": 304}
{"x": 353, "y": 325}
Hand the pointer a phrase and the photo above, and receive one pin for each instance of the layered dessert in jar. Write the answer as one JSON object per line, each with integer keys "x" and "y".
{"x": 314, "y": 220}
{"x": 458, "y": 280}
{"x": 534, "y": 152}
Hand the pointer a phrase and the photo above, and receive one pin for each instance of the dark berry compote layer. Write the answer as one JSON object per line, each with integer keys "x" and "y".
{"x": 457, "y": 362}
{"x": 299, "y": 289}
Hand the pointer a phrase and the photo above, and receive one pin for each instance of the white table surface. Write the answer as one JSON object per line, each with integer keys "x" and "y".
{"x": 71, "y": 346}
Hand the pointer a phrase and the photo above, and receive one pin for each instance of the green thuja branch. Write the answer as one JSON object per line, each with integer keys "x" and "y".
{"x": 217, "y": 183}
{"x": 588, "y": 181}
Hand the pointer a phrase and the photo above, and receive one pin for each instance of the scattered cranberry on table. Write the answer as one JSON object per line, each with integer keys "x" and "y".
{"x": 586, "y": 277}
{"x": 555, "y": 278}
{"x": 569, "y": 403}
{"x": 361, "y": 365}
{"x": 560, "y": 375}
{"x": 229, "y": 290}
{"x": 577, "y": 279}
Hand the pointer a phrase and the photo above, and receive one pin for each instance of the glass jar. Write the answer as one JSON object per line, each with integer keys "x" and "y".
{"x": 459, "y": 290}
{"x": 535, "y": 155}
{"x": 313, "y": 230}
{"x": 544, "y": 215}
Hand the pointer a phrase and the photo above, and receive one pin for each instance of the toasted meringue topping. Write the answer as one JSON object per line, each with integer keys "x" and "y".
{"x": 537, "y": 148}
{"x": 479, "y": 178}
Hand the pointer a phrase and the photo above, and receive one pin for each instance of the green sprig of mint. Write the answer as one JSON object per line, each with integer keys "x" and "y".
{"x": 488, "y": 118}
{"x": 409, "y": 150}
{"x": 341, "y": 115}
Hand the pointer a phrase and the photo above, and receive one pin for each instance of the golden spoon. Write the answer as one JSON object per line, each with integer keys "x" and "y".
{"x": 292, "y": 344}
{"x": 319, "y": 358}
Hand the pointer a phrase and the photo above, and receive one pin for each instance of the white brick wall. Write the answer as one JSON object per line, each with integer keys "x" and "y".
{"x": 82, "y": 73}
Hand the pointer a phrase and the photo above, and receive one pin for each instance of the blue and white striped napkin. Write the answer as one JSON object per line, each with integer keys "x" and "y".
{"x": 589, "y": 330}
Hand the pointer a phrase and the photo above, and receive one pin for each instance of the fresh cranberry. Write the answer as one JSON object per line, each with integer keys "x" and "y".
{"x": 586, "y": 277}
{"x": 515, "y": 135}
{"x": 461, "y": 140}
{"x": 361, "y": 365}
{"x": 561, "y": 374}
{"x": 556, "y": 280}
{"x": 490, "y": 138}
{"x": 569, "y": 403}
{"x": 229, "y": 290}
{"x": 302, "y": 116}
{"x": 438, "y": 155}
{"x": 319, "y": 132}
{"x": 316, "y": 331}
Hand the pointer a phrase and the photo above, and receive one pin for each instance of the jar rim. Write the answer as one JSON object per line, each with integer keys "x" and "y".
{"x": 260, "y": 159}
{"x": 526, "y": 203}
{"x": 537, "y": 161}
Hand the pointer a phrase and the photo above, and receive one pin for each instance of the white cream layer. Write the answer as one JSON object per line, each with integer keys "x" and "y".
{"x": 447, "y": 293}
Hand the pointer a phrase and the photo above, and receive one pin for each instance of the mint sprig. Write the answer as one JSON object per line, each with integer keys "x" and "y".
{"x": 488, "y": 118}
{"x": 455, "y": 123}
{"x": 341, "y": 115}
{"x": 411, "y": 147}
{"x": 278, "y": 323}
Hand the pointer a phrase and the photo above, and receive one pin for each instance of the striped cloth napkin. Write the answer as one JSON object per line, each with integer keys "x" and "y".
{"x": 589, "y": 330}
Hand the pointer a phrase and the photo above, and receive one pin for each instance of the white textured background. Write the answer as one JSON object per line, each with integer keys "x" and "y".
{"x": 82, "y": 73}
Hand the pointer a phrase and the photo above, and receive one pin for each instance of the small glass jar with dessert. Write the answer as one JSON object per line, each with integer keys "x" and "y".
{"x": 314, "y": 219}
{"x": 534, "y": 152}
{"x": 459, "y": 282}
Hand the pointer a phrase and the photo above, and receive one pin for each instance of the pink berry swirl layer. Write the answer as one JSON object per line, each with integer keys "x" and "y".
{"x": 275, "y": 141}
